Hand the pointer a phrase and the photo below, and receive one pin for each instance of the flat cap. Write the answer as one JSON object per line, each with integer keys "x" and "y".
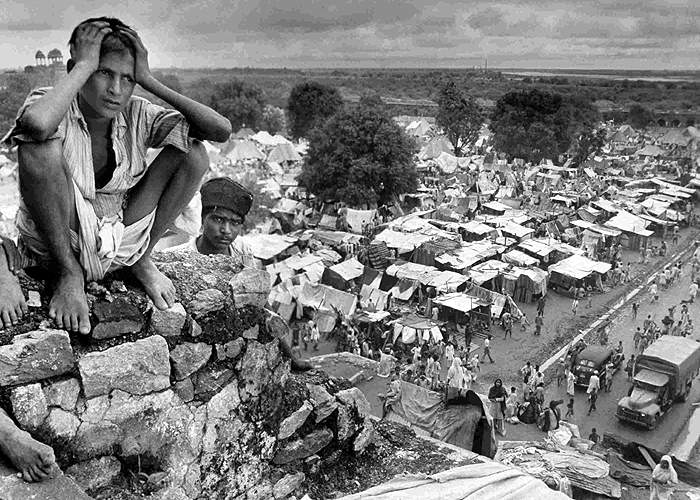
{"x": 226, "y": 193}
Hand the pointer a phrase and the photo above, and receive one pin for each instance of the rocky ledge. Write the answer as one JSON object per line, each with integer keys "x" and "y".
{"x": 196, "y": 401}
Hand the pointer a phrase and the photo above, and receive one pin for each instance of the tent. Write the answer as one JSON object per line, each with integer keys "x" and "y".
{"x": 282, "y": 153}
{"x": 459, "y": 301}
{"x": 412, "y": 328}
{"x": 349, "y": 269}
{"x": 435, "y": 147}
{"x": 519, "y": 258}
{"x": 267, "y": 246}
{"x": 326, "y": 298}
{"x": 245, "y": 150}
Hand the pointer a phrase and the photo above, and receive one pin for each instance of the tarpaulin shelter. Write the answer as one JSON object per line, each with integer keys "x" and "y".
{"x": 412, "y": 328}
{"x": 435, "y": 147}
{"x": 326, "y": 298}
{"x": 576, "y": 269}
{"x": 379, "y": 298}
{"x": 403, "y": 242}
{"x": 267, "y": 246}
{"x": 283, "y": 153}
{"x": 634, "y": 229}
{"x": 357, "y": 219}
{"x": 245, "y": 150}
{"x": 469, "y": 255}
{"x": 461, "y": 302}
{"x": 519, "y": 258}
{"x": 476, "y": 481}
{"x": 466, "y": 424}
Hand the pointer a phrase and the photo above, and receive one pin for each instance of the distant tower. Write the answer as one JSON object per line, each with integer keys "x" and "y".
{"x": 486, "y": 63}
{"x": 55, "y": 57}
{"x": 40, "y": 58}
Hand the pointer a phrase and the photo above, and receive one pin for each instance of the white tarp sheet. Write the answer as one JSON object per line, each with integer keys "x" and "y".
{"x": 578, "y": 267}
{"x": 267, "y": 246}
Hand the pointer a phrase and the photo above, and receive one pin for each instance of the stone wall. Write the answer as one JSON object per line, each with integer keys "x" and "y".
{"x": 193, "y": 401}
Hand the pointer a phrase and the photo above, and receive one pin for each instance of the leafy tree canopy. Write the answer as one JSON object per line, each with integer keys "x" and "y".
{"x": 241, "y": 102}
{"x": 459, "y": 116}
{"x": 274, "y": 120}
{"x": 359, "y": 156}
{"x": 309, "y": 104}
{"x": 639, "y": 116}
{"x": 534, "y": 124}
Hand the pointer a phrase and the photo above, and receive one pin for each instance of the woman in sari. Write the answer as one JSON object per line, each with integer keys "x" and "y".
{"x": 497, "y": 397}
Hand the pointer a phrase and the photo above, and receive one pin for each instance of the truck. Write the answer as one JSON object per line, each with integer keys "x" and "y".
{"x": 663, "y": 374}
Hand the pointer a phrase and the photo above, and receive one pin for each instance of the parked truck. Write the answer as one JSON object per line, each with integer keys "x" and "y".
{"x": 662, "y": 375}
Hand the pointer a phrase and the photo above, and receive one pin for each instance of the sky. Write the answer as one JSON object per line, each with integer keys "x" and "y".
{"x": 585, "y": 34}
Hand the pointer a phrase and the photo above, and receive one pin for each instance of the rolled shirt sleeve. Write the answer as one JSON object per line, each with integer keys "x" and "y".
{"x": 17, "y": 134}
{"x": 163, "y": 127}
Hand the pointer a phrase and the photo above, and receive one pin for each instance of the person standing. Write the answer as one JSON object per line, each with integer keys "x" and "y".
{"x": 635, "y": 309}
{"x": 538, "y": 325}
{"x": 574, "y": 303}
{"x": 692, "y": 292}
{"x": 497, "y": 397}
{"x": 637, "y": 337}
{"x": 487, "y": 348}
{"x": 315, "y": 334}
{"x": 592, "y": 391}
{"x": 570, "y": 408}
{"x": 540, "y": 305}
{"x": 629, "y": 368}
{"x": 561, "y": 368}
{"x": 570, "y": 383}
{"x": 654, "y": 292}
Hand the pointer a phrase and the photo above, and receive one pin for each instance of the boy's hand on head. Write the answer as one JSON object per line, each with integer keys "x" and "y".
{"x": 86, "y": 48}
{"x": 142, "y": 72}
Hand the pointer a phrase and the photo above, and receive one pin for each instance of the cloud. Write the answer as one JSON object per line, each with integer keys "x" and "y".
{"x": 376, "y": 32}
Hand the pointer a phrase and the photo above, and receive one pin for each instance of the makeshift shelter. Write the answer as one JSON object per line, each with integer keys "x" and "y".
{"x": 576, "y": 271}
{"x": 283, "y": 153}
{"x": 245, "y": 150}
{"x": 435, "y": 147}
{"x": 412, "y": 328}
{"x": 519, "y": 258}
{"x": 267, "y": 246}
{"x": 633, "y": 229}
{"x": 325, "y": 300}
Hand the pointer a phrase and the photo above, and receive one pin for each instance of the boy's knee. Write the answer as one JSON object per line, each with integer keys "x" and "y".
{"x": 198, "y": 158}
{"x": 40, "y": 159}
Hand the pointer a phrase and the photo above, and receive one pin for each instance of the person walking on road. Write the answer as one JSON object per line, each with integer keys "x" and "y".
{"x": 497, "y": 396}
{"x": 635, "y": 309}
{"x": 637, "y": 337}
{"x": 570, "y": 383}
{"x": 592, "y": 391}
{"x": 540, "y": 305}
{"x": 570, "y": 408}
{"x": 654, "y": 292}
{"x": 630, "y": 367}
{"x": 538, "y": 325}
{"x": 561, "y": 368}
{"x": 574, "y": 304}
{"x": 487, "y": 348}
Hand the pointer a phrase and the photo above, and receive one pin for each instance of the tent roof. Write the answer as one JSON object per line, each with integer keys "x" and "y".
{"x": 578, "y": 267}
{"x": 245, "y": 150}
{"x": 282, "y": 153}
{"x": 460, "y": 301}
{"x": 267, "y": 246}
{"x": 349, "y": 269}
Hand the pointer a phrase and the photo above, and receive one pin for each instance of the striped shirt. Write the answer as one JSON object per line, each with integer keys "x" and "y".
{"x": 140, "y": 126}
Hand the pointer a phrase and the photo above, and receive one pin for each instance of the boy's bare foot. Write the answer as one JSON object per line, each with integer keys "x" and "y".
{"x": 12, "y": 303}
{"x": 68, "y": 306}
{"x": 34, "y": 460}
{"x": 157, "y": 285}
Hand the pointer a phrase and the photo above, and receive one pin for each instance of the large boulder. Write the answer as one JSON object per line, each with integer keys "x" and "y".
{"x": 35, "y": 356}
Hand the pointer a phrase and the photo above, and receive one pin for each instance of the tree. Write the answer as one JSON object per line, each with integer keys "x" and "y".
{"x": 588, "y": 144}
{"x": 459, "y": 116}
{"x": 241, "y": 102}
{"x": 309, "y": 104}
{"x": 359, "y": 156}
{"x": 534, "y": 124}
{"x": 639, "y": 116}
{"x": 12, "y": 95}
{"x": 170, "y": 80}
{"x": 274, "y": 120}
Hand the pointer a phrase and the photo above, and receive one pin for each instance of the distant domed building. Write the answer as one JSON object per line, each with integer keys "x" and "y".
{"x": 40, "y": 58}
{"x": 55, "y": 57}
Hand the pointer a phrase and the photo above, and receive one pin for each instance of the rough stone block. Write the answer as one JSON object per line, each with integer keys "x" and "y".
{"x": 29, "y": 406}
{"x": 252, "y": 333}
{"x": 364, "y": 438}
{"x": 62, "y": 424}
{"x": 35, "y": 356}
{"x": 344, "y": 424}
{"x": 250, "y": 287}
{"x": 288, "y": 485}
{"x": 276, "y": 326}
{"x": 59, "y": 488}
{"x": 354, "y": 398}
{"x": 115, "y": 319}
{"x": 63, "y": 393}
{"x": 136, "y": 367}
{"x": 206, "y": 301}
{"x": 184, "y": 389}
{"x": 324, "y": 404}
{"x": 169, "y": 322}
{"x": 210, "y": 380}
{"x": 187, "y": 358}
{"x": 294, "y": 421}
{"x": 92, "y": 475}
{"x": 305, "y": 447}
{"x": 195, "y": 330}
{"x": 230, "y": 350}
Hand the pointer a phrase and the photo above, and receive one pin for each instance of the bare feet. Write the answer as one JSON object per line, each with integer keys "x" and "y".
{"x": 158, "y": 286}
{"x": 12, "y": 303}
{"x": 34, "y": 460}
{"x": 68, "y": 305}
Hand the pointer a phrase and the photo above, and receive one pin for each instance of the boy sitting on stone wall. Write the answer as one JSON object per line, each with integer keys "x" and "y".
{"x": 89, "y": 202}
